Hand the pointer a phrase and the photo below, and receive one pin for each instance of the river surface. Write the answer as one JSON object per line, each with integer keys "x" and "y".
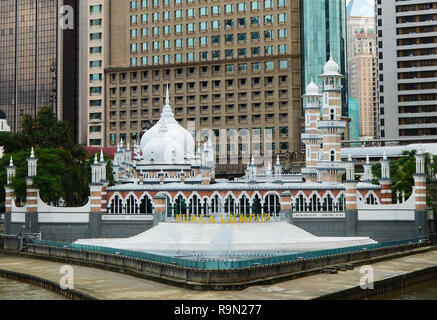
{"x": 16, "y": 290}
{"x": 422, "y": 291}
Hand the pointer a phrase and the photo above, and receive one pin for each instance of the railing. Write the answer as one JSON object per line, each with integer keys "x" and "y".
{"x": 214, "y": 264}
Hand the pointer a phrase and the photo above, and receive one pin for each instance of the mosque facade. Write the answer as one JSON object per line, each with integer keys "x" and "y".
{"x": 168, "y": 175}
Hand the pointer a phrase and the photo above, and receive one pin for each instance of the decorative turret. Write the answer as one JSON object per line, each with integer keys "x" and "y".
{"x": 96, "y": 171}
{"x": 251, "y": 170}
{"x": 385, "y": 167}
{"x": 385, "y": 181}
{"x": 10, "y": 171}
{"x": 269, "y": 172}
{"x": 368, "y": 176}
{"x": 278, "y": 171}
{"x": 350, "y": 169}
{"x": 420, "y": 162}
{"x": 331, "y": 76}
{"x": 331, "y": 126}
{"x": 102, "y": 165}
{"x": 311, "y": 138}
{"x": 32, "y": 165}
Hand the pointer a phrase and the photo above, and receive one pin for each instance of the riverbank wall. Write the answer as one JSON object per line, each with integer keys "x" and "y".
{"x": 226, "y": 279}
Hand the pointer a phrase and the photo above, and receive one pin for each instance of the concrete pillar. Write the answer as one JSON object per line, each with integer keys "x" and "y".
{"x": 421, "y": 215}
{"x": 286, "y": 213}
{"x": 159, "y": 212}
{"x": 351, "y": 208}
{"x": 31, "y": 215}
{"x": 386, "y": 191}
{"x": 95, "y": 225}
{"x": 96, "y": 197}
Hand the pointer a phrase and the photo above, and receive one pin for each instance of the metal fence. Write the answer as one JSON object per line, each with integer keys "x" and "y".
{"x": 216, "y": 264}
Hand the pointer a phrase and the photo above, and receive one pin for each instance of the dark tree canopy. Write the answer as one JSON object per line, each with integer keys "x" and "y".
{"x": 63, "y": 166}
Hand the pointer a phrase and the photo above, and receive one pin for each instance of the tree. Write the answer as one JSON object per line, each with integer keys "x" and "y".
{"x": 402, "y": 173}
{"x": 63, "y": 166}
{"x": 58, "y": 175}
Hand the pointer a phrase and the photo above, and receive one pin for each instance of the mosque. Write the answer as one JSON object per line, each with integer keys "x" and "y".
{"x": 167, "y": 184}
{"x": 168, "y": 162}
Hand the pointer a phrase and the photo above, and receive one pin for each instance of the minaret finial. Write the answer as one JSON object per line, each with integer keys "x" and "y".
{"x": 167, "y": 96}
{"x": 101, "y": 156}
{"x": 95, "y": 158}
{"x": 32, "y": 154}
{"x": 11, "y": 162}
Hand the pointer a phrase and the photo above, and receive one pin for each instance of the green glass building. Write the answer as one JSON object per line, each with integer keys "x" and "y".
{"x": 323, "y": 28}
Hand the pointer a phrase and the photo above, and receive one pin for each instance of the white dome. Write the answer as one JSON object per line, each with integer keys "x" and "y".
{"x": 331, "y": 68}
{"x": 167, "y": 142}
{"x": 312, "y": 89}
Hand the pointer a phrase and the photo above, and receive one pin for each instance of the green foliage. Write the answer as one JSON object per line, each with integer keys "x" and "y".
{"x": 402, "y": 173}
{"x": 63, "y": 166}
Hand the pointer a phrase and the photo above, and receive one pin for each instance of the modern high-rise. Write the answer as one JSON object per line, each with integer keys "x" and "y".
{"x": 407, "y": 67}
{"x": 362, "y": 72}
{"x": 94, "y": 54}
{"x": 38, "y": 60}
{"x": 323, "y": 35}
{"x": 229, "y": 65}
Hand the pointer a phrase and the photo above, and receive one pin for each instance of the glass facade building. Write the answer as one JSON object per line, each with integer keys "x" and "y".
{"x": 323, "y": 33}
{"x": 34, "y": 58}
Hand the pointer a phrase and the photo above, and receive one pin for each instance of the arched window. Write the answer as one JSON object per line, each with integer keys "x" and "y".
{"x": 146, "y": 205}
{"x": 315, "y": 204}
{"x": 256, "y": 205}
{"x": 328, "y": 203}
{"x": 180, "y": 206}
{"x": 332, "y": 114}
{"x": 131, "y": 205}
{"x": 300, "y": 203}
{"x": 371, "y": 199}
{"x": 341, "y": 203}
{"x": 195, "y": 206}
{"x": 332, "y": 155}
{"x": 272, "y": 205}
{"x": 229, "y": 205}
{"x": 116, "y": 205}
{"x": 308, "y": 153}
{"x": 244, "y": 205}
{"x": 216, "y": 204}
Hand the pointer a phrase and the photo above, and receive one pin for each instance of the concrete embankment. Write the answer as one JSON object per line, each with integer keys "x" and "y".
{"x": 420, "y": 265}
{"x": 200, "y": 279}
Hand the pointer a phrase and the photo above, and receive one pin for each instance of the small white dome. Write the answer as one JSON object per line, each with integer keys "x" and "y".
{"x": 167, "y": 142}
{"x": 331, "y": 68}
{"x": 312, "y": 89}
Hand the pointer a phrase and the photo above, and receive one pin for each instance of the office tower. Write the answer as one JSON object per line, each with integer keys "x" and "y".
{"x": 228, "y": 65}
{"x": 323, "y": 34}
{"x": 362, "y": 72}
{"x": 94, "y": 53}
{"x": 407, "y": 67}
{"x": 38, "y": 60}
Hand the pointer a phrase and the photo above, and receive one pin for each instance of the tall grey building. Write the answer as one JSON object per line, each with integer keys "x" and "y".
{"x": 38, "y": 60}
{"x": 407, "y": 69}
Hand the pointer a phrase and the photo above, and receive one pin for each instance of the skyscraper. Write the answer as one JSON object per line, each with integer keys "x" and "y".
{"x": 362, "y": 72}
{"x": 38, "y": 60}
{"x": 228, "y": 65}
{"x": 323, "y": 34}
{"x": 407, "y": 70}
